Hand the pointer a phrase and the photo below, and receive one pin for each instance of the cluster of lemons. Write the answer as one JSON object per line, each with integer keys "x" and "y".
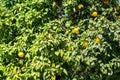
{"x": 76, "y": 30}
{"x": 97, "y": 40}
{"x": 85, "y": 44}
{"x": 94, "y": 14}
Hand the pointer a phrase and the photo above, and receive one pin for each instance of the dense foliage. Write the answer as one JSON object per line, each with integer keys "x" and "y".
{"x": 59, "y": 40}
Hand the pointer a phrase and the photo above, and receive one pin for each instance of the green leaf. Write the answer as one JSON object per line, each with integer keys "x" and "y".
{"x": 65, "y": 71}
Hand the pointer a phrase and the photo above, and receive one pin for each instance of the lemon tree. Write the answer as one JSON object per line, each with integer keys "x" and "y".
{"x": 59, "y": 39}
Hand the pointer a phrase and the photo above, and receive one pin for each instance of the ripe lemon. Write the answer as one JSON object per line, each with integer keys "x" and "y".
{"x": 80, "y": 6}
{"x": 75, "y": 30}
{"x": 85, "y": 44}
{"x": 97, "y": 39}
{"x": 21, "y": 54}
{"x": 94, "y": 14}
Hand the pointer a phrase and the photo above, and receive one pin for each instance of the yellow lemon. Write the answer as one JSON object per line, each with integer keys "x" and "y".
{"x": 85, "y": 44}
{"x": 75, "y": 30}
{"x": 80, "y": 6}
{"x": 21, "y": 54}
{"x": 97, "y": 39}
{"x": 94, "y": 14}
